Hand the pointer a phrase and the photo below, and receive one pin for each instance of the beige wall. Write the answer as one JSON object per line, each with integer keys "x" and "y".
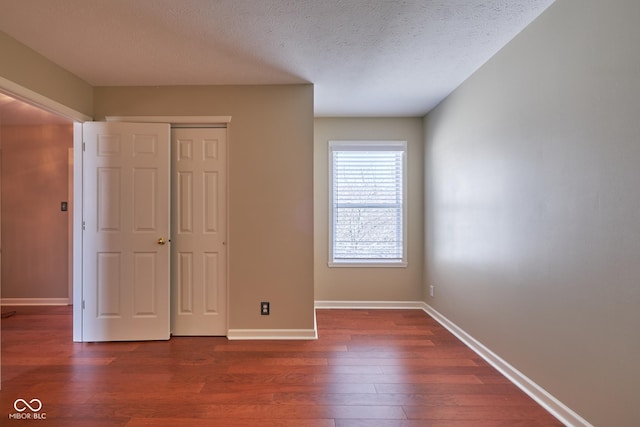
{"x": 533, "y": 218}
{"x": 25, "y": 67}
{"x": 270, "y": 189}
{"x": 34, "y": 229}
{"x": 369, "y": 284}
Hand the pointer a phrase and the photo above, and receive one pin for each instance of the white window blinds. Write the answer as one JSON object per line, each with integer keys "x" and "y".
{"x": 367, "y": 197}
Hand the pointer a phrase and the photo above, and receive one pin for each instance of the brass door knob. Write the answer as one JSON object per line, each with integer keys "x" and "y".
{"x": 161, "y": 241}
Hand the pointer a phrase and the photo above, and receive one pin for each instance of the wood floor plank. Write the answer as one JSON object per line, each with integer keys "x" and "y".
{"x": 248, "y": 388}
{"x": 175, "y": 422}
{"x": 402, "y": 363}
{"x": 367, "y": 368}
{"x": 437, "y": 423}
{"x": 506, "y": 413}
{"x": 398, "y": 379}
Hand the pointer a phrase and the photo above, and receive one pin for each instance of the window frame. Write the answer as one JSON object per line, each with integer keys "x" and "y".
{"x": 366, "y": 145}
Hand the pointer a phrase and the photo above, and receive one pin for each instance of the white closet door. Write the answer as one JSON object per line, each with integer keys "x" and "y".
{"x": 199, "y": 224}
{"x": 126, "y": 260}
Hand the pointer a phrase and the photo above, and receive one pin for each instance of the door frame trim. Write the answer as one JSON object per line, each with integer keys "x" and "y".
{"x": 204, "y": 121}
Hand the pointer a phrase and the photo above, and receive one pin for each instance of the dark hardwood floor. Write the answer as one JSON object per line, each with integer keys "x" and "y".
{"x": 368, "y": 368}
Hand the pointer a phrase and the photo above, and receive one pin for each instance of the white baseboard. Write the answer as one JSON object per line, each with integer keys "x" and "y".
{"x": 272, "y": 334}
{"x": 556, "y": 408}
{"x": 35, "y": 301}
{"x": 370, "y": 304}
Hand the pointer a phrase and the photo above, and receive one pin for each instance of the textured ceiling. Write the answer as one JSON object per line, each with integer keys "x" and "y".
{"x": 364, "y": 57}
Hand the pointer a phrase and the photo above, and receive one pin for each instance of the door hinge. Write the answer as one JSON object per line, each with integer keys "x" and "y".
{"x": 83, "y": 304}
{"x": 83, "y": 226}
{"x": 84, "y": 146}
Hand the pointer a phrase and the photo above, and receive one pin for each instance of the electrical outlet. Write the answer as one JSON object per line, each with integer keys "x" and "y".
{"x": 432, "y": 291}
{"x": 264, "y": 308}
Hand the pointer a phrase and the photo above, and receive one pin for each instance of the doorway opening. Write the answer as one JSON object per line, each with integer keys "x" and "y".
{"x": 36, "y": 199}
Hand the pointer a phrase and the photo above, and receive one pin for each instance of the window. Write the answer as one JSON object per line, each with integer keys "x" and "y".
{"x": 367, "y": 203}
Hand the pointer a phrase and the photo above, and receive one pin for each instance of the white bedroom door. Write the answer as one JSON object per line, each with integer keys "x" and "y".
{"x": 126, "y": 253}
{"x": 199, "y": 225}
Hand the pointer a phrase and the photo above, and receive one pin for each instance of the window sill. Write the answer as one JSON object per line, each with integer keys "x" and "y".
{"x": 368, "y": 264}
